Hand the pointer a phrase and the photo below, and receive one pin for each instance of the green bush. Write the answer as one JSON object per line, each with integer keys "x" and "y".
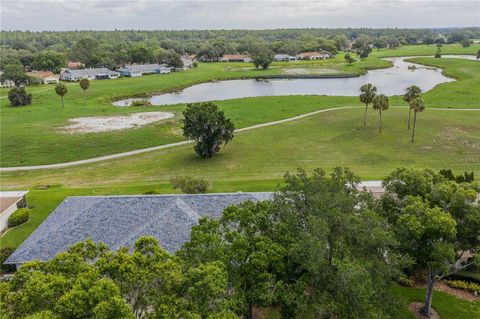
{"x": 189, "y": 185}
{"x": 460, "y": 284}
{"x": 405, "y": 281}
{"x": 19, "y": 217}
{"x": 4, "y": 254}
{"x": 141, "y": 103}
{"x": 18, "y": 96}
{"x": 465, "y": 276}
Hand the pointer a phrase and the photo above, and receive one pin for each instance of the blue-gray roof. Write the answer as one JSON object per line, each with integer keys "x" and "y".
{"x": 120, "y": 220}
{"x": 92, "y": 71}
{"x": 144, "y": 68}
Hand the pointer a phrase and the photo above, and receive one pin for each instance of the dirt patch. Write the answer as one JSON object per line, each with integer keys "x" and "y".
{"x": 415, "y": 307}
{"x": 114, "y": 123}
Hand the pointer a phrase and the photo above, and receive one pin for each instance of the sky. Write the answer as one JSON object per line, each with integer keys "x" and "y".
{"x": 62, "y": 15}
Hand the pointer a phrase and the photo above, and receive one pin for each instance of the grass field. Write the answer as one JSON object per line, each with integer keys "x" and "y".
{"x": 447, "y": 306}
{"x": 37, "y": 137}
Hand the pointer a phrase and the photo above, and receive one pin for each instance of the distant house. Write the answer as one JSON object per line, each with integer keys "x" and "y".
{"x": 91, "y": 74}
{"x": 187, "y": 62}
{"x": 284, "y": 57}
{"x": 73, "y": 65}
{"x": 9, "y": 202}
{"x": 135, "y": 70}
{"x": 46, "y": 77}
{"x": 6, "y": 83}
{"x": 236, "y": 58}
{"x": 313, "y": 55}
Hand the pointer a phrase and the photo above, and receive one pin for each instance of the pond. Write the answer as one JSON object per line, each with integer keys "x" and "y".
{"x": 391, "y": 81}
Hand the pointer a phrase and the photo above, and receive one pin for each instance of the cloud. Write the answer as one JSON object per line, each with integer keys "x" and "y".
{"x": 39, "y": 15}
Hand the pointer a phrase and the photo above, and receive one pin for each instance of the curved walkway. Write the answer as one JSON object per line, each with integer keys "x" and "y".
{"x": 165, "y": 146}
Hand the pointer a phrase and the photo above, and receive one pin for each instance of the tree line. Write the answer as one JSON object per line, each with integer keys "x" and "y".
{"x": 320, "y": 248}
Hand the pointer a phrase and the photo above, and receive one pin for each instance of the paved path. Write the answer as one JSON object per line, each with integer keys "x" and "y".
{"x": 165, "y": 146}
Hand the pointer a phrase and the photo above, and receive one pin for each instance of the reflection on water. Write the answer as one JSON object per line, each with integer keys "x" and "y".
{"x": 391, "y": 81}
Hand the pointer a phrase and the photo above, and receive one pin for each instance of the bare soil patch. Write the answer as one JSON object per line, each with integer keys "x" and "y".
{"x": 97, "y": 124}
{"x": 415, "y": 307}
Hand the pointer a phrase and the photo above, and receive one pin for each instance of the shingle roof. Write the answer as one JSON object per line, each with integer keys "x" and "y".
{"x": 94, "y": 71}
{"x": 143, "y": 68}
{"x": 119, "y": 220}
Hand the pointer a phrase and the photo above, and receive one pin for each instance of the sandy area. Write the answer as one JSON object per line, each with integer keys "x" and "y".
{"x": 113, "y": 123}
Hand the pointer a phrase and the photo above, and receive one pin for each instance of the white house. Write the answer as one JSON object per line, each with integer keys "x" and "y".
{"x": 135, "y": 70}
{"x": 283, "y": 57}
{"x": 313, "y": 56}
{"x": 6, "y": 83}
{"x": 91, "y": 74}
{"x": 47, "y": 77}
{"x": 236, "y": 58}
{"x": 9, "y": 203}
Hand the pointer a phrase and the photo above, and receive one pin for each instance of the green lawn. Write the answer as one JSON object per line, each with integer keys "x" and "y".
{"x": 447, "y": 306}
{"x": 32, "y": 135}
{"x": 445, "y": 138}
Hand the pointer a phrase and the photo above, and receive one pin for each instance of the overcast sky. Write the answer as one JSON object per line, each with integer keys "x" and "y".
{"x": 38, "y": 15}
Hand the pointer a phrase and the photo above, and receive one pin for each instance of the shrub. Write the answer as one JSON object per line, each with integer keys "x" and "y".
{"x": 4, "y": 254}
{"x": 465, "y": 276}
{"x": 189, "y": 185}
{"x": 460, "y": 284}
{"x": 405, "y": 281}
{"x": 142, "y": 102}
{"x": 18, "y": 96}
{"x": 19, "y": 217}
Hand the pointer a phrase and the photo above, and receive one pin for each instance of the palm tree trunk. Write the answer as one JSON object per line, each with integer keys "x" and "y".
{"x": 426, "y": 309}
{"x": 380, "y": 122}
{"x": 414, "y": 123}
{"x": 365, "y": 117}
{"x": 62, "y": 101}
{"x": 409, "y": 116}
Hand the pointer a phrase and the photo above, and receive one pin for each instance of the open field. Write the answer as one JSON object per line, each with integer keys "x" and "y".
{"x": 445, "y": 138}
{"x": 37, "y": 138}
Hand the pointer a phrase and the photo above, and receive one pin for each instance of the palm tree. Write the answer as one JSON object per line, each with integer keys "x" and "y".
{"x": 412, "y": 92}
{"x": 61, "y": 90}
{"x": 368, "y": 92}
{"x": 84, "y": 85}
{"x": 418, "y": 105}
{"x": 380, "y": 103}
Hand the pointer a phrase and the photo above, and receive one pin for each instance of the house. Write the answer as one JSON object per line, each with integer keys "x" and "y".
{"x": 91, "y": 74}
{"x": 313, "y": 55}
{"x": 9, "y": 202}
{"x": 135, "y": 70}
{"x": 46, "y": 77}
{"x": 119, "y": 221}
{"x": 187, "y": 62}
{"x": 236, "y": 58}
{"x": 283, "y": 57}
{"x": 6, "y": 83}
{"x": 73, "y": 65}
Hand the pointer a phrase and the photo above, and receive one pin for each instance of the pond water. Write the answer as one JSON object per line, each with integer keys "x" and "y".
{"x": 391, "y": 81}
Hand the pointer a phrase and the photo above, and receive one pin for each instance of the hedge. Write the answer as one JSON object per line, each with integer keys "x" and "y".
{"x": 19, "y": 217}
{"x": 470, "y": 286}
{"x": 4, "y": 254}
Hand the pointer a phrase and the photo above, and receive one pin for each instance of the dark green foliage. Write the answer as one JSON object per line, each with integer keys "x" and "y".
{"x": 316, "y": 251}
{"x": 61, "y": 90}
{"x": 19, "y": 217}
{"x": 49, "y": 61}
{"x": 349, "y": 59}
{"x": 207, "y": 126}
{"x": 170, "y": 58}
{"x": 465, "y": 178}
{"x": 4, "y": 254}
{"x": 84, "y": 85}
{"x": 262, "y": 57}
{"x": 189, "y": 185}
{"x": 16, "y": 73}
{"x": 466, "y": 43}
{"x": 18, "y": 96}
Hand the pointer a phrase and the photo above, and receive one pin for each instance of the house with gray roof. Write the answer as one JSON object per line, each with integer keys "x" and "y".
{"x": 283, "y": 57}
{"x": 91, "y": 74}
{"x": 119, "y": 221}
{"x": 135, "y": 70}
